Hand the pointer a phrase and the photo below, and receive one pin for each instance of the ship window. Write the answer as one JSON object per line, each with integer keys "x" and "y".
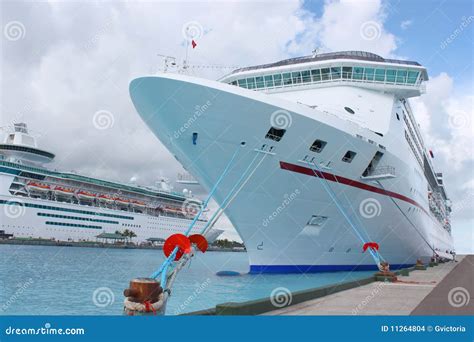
{"x": 380, "y": 75}
{"x": 316, "y": 74}
{"x": 269, "y": 81}
{"x": 296, "y": 77}
{"x": 336, "y": 73}
{"x": 347, "y": 72}
{"x": 259, "y": 81}
{"x": 369, "y": 74}
{"x": 277, "y": 80}
{"x": 306, "y": 76}
{"x": 233, "y": 82}
{"x": 287, "y": 78}
{"x": 349, "y": 110}
{"x": 349, "y": 156}
{"x": 251, "y": 83}
{"x": 275, "y": 134}
{"x": 412, "y": 76}
{"x": 390, "y": 77}
{"x": 318, "y": 146}
{"x": 358, "y": 73}
{"x": 325, "y": 74}
{"x": 243, "y": 83}
{"x": 401, "y": 76}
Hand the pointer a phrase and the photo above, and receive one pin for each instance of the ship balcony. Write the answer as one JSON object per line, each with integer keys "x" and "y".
{"x": 382, "y": 172}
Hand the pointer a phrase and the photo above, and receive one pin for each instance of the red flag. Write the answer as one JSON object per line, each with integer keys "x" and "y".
{"x": 193, "y": 43}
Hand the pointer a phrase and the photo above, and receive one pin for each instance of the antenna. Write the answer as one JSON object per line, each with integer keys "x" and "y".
{"x": 315, "y": 52}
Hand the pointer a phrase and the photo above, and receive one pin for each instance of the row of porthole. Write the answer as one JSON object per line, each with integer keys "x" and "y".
{"x": 131, "y": 225}
{"x": 12, "y": 226}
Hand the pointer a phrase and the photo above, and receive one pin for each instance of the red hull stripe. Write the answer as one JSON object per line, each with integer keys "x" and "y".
{"x": 346, "y": 181}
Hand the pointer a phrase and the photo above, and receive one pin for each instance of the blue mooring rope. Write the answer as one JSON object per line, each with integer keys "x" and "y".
{"x": 375, "y": 256}
{"x": 230, "y": 194}
{"x": 164, "y": 266}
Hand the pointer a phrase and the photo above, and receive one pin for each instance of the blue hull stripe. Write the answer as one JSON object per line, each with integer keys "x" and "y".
{"x": 318, "y": 268}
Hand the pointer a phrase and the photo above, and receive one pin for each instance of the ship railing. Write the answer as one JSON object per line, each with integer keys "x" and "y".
{"x": 381, "y": 172}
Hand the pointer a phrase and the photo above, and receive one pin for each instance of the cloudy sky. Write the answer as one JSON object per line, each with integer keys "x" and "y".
{"x": 65, "y": 69}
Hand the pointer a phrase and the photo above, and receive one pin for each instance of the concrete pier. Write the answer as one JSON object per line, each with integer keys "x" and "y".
{"x": 454, "y": 295}
{"x": 419, "y": 293}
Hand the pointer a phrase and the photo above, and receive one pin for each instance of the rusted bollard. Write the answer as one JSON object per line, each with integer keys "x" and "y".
{"x": 143, "y": 297}
{"x": 420, "y": 266}
{"x": 385, "y": 274}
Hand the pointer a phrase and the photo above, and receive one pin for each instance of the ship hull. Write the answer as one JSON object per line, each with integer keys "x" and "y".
{"x": 27, "y": 218}
{"x": 204, "y": 123}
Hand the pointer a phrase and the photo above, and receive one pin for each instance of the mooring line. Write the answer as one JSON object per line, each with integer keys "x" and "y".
{"x": 164, "y": 267}
{"x": 376, "y": 256}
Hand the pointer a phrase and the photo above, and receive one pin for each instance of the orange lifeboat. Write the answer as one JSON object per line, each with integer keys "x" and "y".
{"x": 138, "y": 204}
{"x": 85, "y": 195}
{"x": 121, "y": 201}
{"x": 37, "y": 187}
{"x": 172, "y": 210}
{"x": 61, "y": 191}
{"x": 105, "y": 198}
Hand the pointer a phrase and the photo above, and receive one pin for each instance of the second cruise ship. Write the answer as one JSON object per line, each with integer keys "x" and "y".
{"x": 40, "y": 203}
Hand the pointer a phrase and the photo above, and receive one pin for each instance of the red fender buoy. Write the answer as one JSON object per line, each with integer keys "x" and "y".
{"x": 177, "y": 240}
{"x": 373, "y": 245}
{"x": 200, "y": 242}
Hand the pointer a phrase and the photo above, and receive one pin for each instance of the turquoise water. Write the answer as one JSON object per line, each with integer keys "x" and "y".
{"x": 44, "y": 280}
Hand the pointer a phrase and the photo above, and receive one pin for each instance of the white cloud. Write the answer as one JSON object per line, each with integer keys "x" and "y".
{"x": 356, "y": 25}
{"x": 447, "y": 121}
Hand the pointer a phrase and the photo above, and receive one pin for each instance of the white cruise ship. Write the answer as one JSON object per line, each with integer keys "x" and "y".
{"x": 41, "y": 203}
{"x": 331, "y": 159}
